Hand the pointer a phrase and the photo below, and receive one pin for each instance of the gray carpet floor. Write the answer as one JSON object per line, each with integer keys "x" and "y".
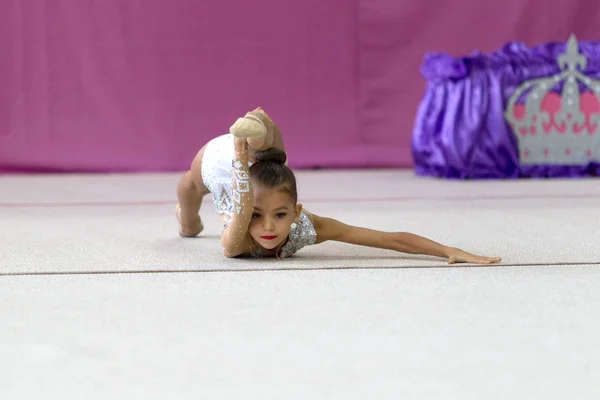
{"x": 100, "y": 298}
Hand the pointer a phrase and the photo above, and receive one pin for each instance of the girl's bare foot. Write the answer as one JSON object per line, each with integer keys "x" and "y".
{"x": 256, "y": 127}
{"x": 188, "y": 227}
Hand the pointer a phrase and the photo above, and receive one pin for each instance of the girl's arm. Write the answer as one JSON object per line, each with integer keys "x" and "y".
{"x": 235, "y": 237}
{"x": 331, "y": 229}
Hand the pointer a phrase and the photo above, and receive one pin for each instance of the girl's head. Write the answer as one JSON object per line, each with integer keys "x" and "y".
{"x": 275, "y": 198}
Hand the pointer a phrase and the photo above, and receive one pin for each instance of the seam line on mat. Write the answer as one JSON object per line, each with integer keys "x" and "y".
{"x": 309, "y": 200}
{"x": 190, "y": 271}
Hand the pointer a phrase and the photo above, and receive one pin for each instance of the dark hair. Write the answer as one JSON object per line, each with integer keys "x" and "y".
{"x": 270, "y": 171}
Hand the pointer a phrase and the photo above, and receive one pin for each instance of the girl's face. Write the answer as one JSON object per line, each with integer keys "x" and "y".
{"x": 274, "y": 212}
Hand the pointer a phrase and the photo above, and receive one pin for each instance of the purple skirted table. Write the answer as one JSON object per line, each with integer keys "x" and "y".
{"x": 517, "y": 113}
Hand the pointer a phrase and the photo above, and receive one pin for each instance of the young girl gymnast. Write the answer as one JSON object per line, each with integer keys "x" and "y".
{"x": 254, "y": 192}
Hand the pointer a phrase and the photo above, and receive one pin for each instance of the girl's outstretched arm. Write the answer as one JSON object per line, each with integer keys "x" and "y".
{"x": 331, "y": 229}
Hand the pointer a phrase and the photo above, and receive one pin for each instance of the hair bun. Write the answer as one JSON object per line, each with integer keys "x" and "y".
{"x": 272, "y": 154}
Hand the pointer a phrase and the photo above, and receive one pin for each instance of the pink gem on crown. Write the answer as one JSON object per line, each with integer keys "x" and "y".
{"x": 558, "y": 128}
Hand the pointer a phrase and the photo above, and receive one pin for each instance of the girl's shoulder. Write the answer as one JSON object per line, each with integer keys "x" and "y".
{"x": 302, "y": 234}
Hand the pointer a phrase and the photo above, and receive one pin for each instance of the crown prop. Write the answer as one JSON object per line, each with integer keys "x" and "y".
{"x": 558, "y": 129}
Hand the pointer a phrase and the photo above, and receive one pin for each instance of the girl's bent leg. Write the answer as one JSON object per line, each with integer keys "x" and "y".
{"x": 190, "y": 191}
{"x": 266, "y": 141}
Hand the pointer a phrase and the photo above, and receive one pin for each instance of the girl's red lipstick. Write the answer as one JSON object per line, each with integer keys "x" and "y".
{"x": 268, "y": 237}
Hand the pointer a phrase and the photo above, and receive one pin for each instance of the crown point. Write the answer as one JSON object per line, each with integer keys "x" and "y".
{"x": 572, "y": 45}
{"x": 572, "y": 57}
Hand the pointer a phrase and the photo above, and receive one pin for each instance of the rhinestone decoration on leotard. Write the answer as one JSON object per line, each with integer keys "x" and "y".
{"x": 303, "y": 235}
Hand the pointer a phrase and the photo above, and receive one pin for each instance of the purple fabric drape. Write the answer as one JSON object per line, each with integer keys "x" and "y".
{"x": 460, "y": 130}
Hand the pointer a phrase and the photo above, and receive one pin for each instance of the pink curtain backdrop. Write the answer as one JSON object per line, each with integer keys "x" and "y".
{"x": 141, "y": 85}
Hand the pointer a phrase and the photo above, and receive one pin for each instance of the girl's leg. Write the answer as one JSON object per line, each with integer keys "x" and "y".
{"x": 190, "y": 192}
{"x": 272, "y": 138}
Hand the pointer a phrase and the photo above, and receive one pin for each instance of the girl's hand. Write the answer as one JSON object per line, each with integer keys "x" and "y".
{"x": 241, "y": 149}
{"x": 459, "y": 256}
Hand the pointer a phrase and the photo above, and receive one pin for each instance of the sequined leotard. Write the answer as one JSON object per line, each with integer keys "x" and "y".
{"x": 217, "y": 176}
